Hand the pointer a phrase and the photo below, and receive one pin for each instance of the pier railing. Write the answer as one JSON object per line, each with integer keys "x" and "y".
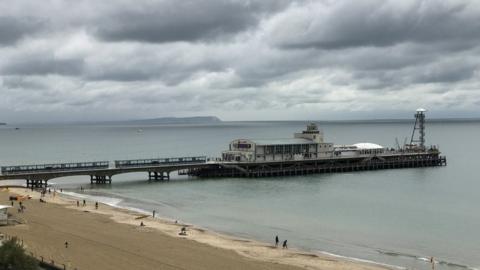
{"x": 159, "y": 161}
{"x": 95, "y": 165}
{"x": 74, "y": 166}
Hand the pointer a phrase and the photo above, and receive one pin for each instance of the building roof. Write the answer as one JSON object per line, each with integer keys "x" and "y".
{"x": 362, "y": 146}
{"x": 286, "y": 141}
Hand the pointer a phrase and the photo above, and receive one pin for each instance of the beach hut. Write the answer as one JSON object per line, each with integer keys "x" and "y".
{"x": 4, "y": 214}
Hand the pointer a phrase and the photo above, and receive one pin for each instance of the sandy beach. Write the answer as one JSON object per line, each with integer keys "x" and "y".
{"x": 112, "y": 238}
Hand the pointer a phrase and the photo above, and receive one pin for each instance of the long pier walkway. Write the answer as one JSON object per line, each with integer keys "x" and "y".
{"x": 101, "y": 172}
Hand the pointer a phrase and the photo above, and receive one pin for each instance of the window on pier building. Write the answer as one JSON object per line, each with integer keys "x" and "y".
{"x": 288, "y": 149}
{"x": 304, "y": 148}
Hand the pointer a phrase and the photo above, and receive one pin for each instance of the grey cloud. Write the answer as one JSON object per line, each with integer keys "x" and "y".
{"x": 442, "y": 74}
{"x": 42, "y": 65}
{"x": 449, "y": 74}
{"x": 273, "y": 56}
{"x": 22, "y": 82}
{"x": 13, "y": 29}
{"x": 119, "y": 74}
{"x": 155, "y": 69}
{"x": 191, "y": 20}
{"x": 378, "y": 23}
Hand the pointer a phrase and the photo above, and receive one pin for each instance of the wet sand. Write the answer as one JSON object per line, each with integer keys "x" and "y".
{"x": 111, "y": 238}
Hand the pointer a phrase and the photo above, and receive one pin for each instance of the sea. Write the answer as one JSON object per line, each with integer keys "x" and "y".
{"x": 399, "y": 217}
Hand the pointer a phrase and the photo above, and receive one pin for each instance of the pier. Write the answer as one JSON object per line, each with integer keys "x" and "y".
{"x": 37, "y": 176}
{"x": 305, "y": 153}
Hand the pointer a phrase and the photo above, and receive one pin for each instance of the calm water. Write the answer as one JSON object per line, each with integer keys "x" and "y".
{"x": 396, "y": 217}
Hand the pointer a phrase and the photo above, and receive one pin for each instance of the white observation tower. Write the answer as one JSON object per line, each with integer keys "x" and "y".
{"x": 420, "y": 127}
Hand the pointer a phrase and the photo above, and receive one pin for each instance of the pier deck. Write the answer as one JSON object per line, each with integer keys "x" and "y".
{"x": 160, "y": 169}
{"x": 331, "y": 165}
{"x": 100, "y": 172}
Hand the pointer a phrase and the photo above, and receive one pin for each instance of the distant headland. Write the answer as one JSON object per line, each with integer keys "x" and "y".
{"x": 3, "y": 124}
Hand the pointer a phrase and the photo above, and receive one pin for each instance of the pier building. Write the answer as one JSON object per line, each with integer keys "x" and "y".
{"x": 308, "y": 144}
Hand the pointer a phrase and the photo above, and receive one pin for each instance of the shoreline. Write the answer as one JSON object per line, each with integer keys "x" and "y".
{"x": 248, "y": 248}
{"x": 233, "y": 237}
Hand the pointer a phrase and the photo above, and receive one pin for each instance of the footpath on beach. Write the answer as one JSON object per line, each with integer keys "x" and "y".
{"x": 62, "y": 229}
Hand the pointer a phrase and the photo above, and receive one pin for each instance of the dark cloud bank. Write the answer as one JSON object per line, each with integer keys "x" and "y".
{"x": 81, "y": 60}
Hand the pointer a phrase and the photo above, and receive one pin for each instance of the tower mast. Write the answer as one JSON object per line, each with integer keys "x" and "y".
{"x": 420, "y": 127}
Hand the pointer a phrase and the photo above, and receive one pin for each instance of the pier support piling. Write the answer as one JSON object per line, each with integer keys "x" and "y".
{"x": 37, "y": 183}
{"x": 158, "y": 176}
{"x": 100, "y": 179}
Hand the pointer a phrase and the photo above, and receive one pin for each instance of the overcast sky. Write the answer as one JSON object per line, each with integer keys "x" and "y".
{"x": 238, "y": 59}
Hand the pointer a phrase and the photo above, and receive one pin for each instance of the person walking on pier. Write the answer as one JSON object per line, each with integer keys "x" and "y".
{"x": 276, "y": 241}
{"x": 285, "y": 244}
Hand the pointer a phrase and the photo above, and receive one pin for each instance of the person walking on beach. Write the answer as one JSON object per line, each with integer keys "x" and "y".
{"x": 96, "y": 205}
{"x": 78, "y": 203}
{"x": 285, "y": 244}
{"x": 153, "y": 213}
{"x": 66, "y": 244}
{"x": 84, "y": 203}
{"x": 276, "y": 241}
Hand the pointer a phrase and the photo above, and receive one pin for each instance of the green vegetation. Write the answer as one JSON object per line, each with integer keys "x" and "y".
{"x": 12, "y": 256}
